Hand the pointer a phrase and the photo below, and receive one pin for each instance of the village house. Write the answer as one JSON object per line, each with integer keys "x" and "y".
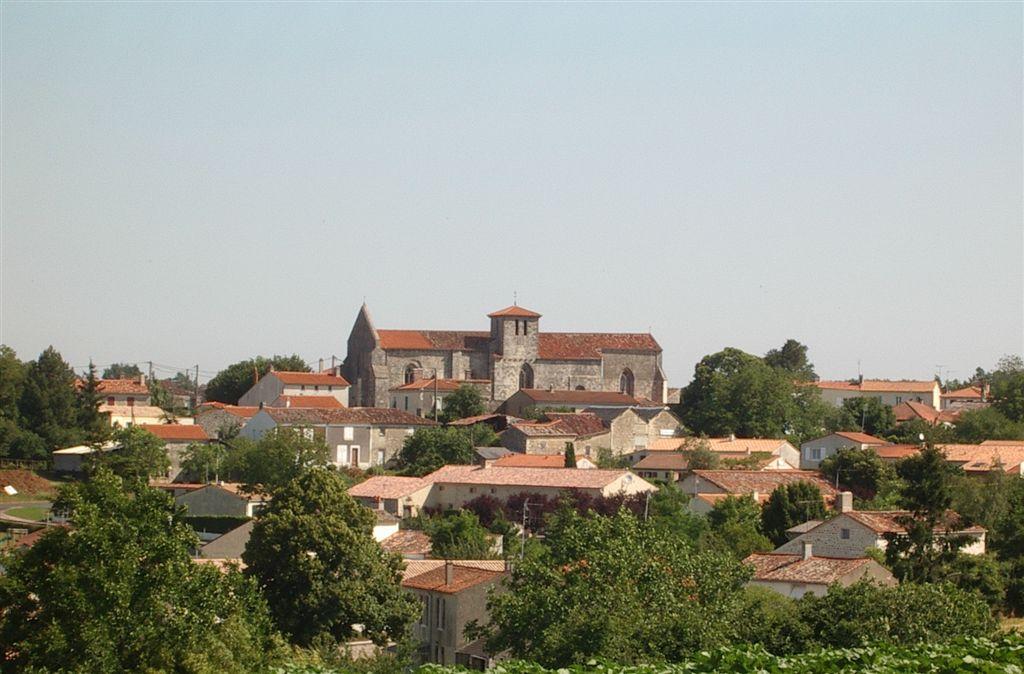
{"x": 401, "y": 496}
{"x": 617, "y": 431}
{"x": 274, "y": 384}
{"x": 219, "y": 500}
{"x": 540, "y": 461}
{"x": 452, "y": 594}
{"x": 355, "y": 436}
{"x": 123, "y": 392}
{"x": 514, "y": 354}
{"x": 983, "y": 458}
{"x": 672, "y": 467}
{"x": 813, "y": 452}
{"x": 124, "y": 416}
{"x": 851, "y": 532}
{"x": 176, "y": 439}
{"x": 891, "y": 393}
{"x": 408, "y": 544}
{"x": 417, "y": 397}
{"x": 218, "y": 419}
{"x": 911, "y": 411}
{"x": 783, "y": 455}
{"x": 794, "y": 575}
{"x": 708, "y": 487}
{"x": 970, "y": 397}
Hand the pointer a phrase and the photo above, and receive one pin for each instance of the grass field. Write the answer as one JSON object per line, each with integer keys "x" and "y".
{"x": 34, "y": 513}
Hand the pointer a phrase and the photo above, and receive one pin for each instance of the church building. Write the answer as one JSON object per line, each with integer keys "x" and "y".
{"x": 514, "y": 354}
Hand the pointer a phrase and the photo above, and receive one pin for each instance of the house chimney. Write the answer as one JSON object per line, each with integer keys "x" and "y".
{"x": 142, "y": 379}
{"x": 844, "y": 502}
{"x": 321, "y": 368}
{"x": 808, "y": 550}
{"x": 449, "y": 572}
{"x": 755, "y": 495}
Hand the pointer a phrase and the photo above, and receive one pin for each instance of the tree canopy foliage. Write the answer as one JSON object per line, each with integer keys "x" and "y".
{"x": 138, "y": 455}
{"x": 429, "y": 448}
{"x": 465, "y": 401}
{"x": 119, "y": 592}
{"x": 122, "y": 371}
{"x": 458, "y": 535}
{"x": 313, "y": 554}
{"x": 232, "y": 382}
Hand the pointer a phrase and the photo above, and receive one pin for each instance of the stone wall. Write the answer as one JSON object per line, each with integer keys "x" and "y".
{"x": 647, "y": 381}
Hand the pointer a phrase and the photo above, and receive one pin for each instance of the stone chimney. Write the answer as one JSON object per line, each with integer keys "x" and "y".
{"x": 808, "y": 550}
{"x": 844, "y": 501}
{"x": 321, "y": 368}
{"x": 449, "y": 572}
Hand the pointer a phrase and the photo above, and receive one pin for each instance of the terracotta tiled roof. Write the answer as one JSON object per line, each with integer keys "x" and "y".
{"x": 968, "y": 393}
{"x": 122, "y": 387}
{"x": 679, "y": 460}
{"x": 888, "y": 521}
{"x": 387, "y": 486}
{"x": 879, "y": 386}
{"x": 861, "y": 438}
{"x": 566, "y": 478}
{"x": 590, "y": 345}
{"x": 469, "y": 421}
{"x": 178, "y": 432}
{"x": 463, "y": 578}
{"x": 309, "y": 378}
{"x": 762, "y": 481}
{"x": 581, "y": 424}
{"x": 539, "y": 461}
{"x": 981, "y": 458}
{"x": 433, "y": 340}
{"x": 445, "y": 385}
{"x": 407, "y": 542}
{"x": 911, "y": 409}
{"x": 374, "y": 416}
{"x": 545, "y": 429}
{"x": 141, "y": 411}
{"x": 666, "y": 444}
{"x": 244, "y": 412}
{"x": 415, "y": 567}
{"x": 514, "y": 312}
{"x": 723, "y": 445}
{"x": 1002, "y": 443}
{"x": 773, "y": 566}
{"x": 893, "y": 452}
{"x": 579, "y": 397}
{"x": 323, "y": 402}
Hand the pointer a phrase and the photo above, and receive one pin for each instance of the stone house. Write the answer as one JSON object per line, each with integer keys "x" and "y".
{"x": 813, "y": 452}
{"x": 218, "y": 419}
{"x": 891, "y": 393}
{"x": 452, "y": 594}
{"x": 276, "y": 384}
{"x": 784, "y": 455}
{"x": 176, "y": 439}
{"x": 514, "y": 354}
{"x": 672, "y": 467}
{"x": 417, "y": 397}
{"x": 636, "y": 428}
{"x": 797, "y": 574}
{"x": 400, "y": 496}
{"x": 707, "y": 487}
{"x": 525, "y": 400}
{"x": 851, "y": 532}
{"x": 220, "y": 500}
{"x": 547, "y": 438}
{"x": 360, "y": 437}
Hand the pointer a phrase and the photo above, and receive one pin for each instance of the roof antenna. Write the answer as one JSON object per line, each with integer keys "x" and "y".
{"x": 515, "y": 298}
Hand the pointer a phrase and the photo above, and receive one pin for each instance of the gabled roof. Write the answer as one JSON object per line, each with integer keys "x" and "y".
{"x": 889, "y": 521}
{"x": 240, "y": 411}
{"x": 861, "y": 438}
{"x": 407, "y": 542}
{"x": 373, "y": 416}
{"x": 515, "y": 460}
{"x": 538, "y": 395}
{"x": 968, "y": 393}
{"x": 148, "y": 411}
{"x": 121, "y": 387}
{"x": 779, "y": 567}
{"x": 534, "y": 429}
{"x": 912, "y": 409}
{"x": 463, "y": 578}
{"x": 680, "y": 461}
{"x": 722, "y": 445}
{"x": 308, "y": 378}
{"x": 879, "y": 385}
{"x": 433, "y": 340}
{"x": 590, "y": 345}
{"x": 762, "y": 481}
{"x": 415, "y": 567}
{"x": 893, "y": 452}
{"x": 483, "y": 418}
{"x": 579, "y": 424}
{"x": 323, "y": 402}
{"x": 982, "y": 458}
{"x": 388, "y": 486}
{"x": 177, "y": 432}
{"x": 565, "y": 478}
{"x": 514, "y": 311}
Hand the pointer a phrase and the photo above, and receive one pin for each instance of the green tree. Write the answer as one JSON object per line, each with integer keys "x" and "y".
{"x": 617, "y": 588}
{"x": 232, "y": 382}
{"x": 789, "y": 505}
{"x": 570, "y": 455}
{"x": 122, "y": 371}
{"x": 1008, "y": 388}
{"x": 139, "y": 455}
{"x": 119, "y": 592}
{"x": 735, "y": 527}
{"x": 860, "y": 470}
{"x": 205, "y": 460}
{"x": 276, "y": 459}
{"x": 773, "y": 621}
{"x": 792, "y": 357}
{"x": 12, "y": 381}
{"x": 482, "y": 435}
{"x": 911, "y": 433}
{"x": 868, "y": 415}
{"x": 94, "y": 425}
{"x": 463, "y": 402}
{"x": 428, "y": 449}
{"x": 699, "y": 455}
{"x": 312, "y": 552}
{"x": 988, "y": 423}
{"x": 49, "y": 405}
{"x": 458, "y": 535}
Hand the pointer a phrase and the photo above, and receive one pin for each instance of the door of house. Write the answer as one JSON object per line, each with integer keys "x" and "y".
{"x": 354, "y": 453}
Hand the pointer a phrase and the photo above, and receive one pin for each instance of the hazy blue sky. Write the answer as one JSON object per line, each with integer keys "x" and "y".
{"x": 201, "y": 183}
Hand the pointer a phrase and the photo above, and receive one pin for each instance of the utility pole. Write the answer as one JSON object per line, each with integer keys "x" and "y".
{"x": 150, "y": 370}
{"x": 195, "y": 405}
{"x": 522, "y": 540}
{"x": 435, "y": 395}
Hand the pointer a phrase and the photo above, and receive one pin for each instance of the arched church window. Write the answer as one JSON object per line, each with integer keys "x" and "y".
{"x": 526, "y": 376}
{"x": 410, "y": 372}
{"x": 626, "y": 382}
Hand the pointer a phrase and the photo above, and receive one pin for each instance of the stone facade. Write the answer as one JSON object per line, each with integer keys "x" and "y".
{"x": 513, "y": 354}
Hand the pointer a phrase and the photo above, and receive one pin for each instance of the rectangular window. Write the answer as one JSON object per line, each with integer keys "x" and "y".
{"x": 844, "y": 534}
{"x": 517, "y": 327}
{"x": 131, "y": 402}
{"x": 349, "y": 433}
{"x": 354, "y": 449}
{"x": 899, "y": 399}
{"x": 303, "y": 387}
{"x": 316, "y": 387}
{"x": 816, "y": 454}
{"x": 524, "y": 327}
{"x": 341, "y": 455}
{"x": 110, "y": 400}
{"x": 380, "y": 457}
{"x": 406, "y": 403}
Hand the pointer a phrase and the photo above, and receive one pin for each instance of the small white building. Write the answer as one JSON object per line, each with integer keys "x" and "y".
{"x": 813, "y": 452}
{"x": 891, "y": 393}
{"x": 273, "y": 385}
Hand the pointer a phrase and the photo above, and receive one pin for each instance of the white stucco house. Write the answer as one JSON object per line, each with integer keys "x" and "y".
{"x": 274, "y": 385}
{"x": 813, "y": 452}
{"x": 891, "y": 393}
